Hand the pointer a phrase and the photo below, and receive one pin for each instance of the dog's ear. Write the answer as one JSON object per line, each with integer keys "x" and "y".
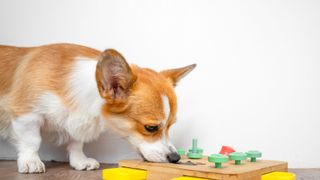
{"x": 174, "y": 75}
{"x": 114, "y": 77}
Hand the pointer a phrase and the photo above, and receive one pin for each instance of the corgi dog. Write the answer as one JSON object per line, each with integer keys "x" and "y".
{"x": 76, "y": 93}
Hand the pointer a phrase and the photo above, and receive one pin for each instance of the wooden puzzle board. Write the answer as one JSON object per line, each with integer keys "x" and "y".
{"x": 204, "y": 169}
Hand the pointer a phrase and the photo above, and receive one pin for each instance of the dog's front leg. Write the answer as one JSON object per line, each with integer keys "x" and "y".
{"x": 78, "y": 159}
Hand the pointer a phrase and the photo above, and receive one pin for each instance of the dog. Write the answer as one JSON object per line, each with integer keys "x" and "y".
{"x": 76, "y": 93}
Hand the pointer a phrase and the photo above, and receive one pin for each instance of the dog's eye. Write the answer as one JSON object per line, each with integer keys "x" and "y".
{"x": 151, "y": 128}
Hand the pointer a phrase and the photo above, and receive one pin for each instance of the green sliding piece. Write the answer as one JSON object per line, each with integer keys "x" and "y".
{"x": 195, "y": 152}
{"x": 253, "y": 155}
{"x": 237, "y": 157}
{"x": 218, "y": 159}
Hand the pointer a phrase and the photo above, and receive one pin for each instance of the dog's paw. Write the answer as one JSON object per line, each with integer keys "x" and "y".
{"x": 30, "y": 164}
{"x": 85, "y": 164}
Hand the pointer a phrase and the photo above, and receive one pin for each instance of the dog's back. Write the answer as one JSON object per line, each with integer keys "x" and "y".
{"x": 9, "y": 60}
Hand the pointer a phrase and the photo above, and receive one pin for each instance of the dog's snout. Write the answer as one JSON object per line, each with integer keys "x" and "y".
{"x": 173, "y": 157}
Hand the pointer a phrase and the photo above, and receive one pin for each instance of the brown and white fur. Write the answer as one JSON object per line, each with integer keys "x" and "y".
{"x": 76, "y": 92}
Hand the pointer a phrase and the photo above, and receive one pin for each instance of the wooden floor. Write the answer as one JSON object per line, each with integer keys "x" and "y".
{"x": 62, "y": 171}
{"x": 307, "y": 174}
{"x": 55, "y": 170}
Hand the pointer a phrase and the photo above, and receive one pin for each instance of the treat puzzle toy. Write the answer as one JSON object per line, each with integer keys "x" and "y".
{"x": 227, "y": 165}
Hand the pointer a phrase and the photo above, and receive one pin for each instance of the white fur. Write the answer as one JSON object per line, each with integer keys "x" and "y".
{"x": 166, "y": 108}
{"x": 85, "y": 123}
{"x": 83, "y": 86}
{"x": 78, "y": 159}
{"x": 27, "y": 139}
{"x": 55, "y": 114}
{"x": 156, "y": 151}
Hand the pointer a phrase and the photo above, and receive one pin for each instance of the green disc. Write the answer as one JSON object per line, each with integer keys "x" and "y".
{"x": 194, "y": 155}
{"x": 238, "y": 156}
{"x": 181, "y": 151}
{"x": 218, "y": 158}
{"x": 253, "y": 155}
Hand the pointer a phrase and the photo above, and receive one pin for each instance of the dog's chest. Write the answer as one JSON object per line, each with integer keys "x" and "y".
{"x": 79, "y": 124}
{"x": 82, "y": 121}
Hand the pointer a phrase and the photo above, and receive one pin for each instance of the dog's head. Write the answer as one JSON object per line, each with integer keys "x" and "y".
{"x": 140, "y": 104}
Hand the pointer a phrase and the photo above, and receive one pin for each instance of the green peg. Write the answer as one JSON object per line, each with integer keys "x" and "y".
{"x": 237, "y": 157}
{"x": 218, "y": 159}
{"x": 253, "y": 155}
{"x": 199, "y": 150}
{"x": 195, "y": 152}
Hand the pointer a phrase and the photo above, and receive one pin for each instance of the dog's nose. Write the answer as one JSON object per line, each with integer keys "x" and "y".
{"x": 173, "y": 157}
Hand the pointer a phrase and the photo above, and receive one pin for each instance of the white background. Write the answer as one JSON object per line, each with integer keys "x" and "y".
{"x": 256, "y": 86}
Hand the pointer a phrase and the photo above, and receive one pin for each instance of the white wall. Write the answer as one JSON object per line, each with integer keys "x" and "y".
{"x": 257, "y": 82}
